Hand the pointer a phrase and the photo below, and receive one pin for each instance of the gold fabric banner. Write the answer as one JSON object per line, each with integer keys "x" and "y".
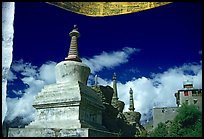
{"x": 100, "y": 9}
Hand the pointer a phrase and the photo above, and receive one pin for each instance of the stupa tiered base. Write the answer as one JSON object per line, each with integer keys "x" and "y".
{"x": 69, "y": 109}
{"x": 56, "y": 132}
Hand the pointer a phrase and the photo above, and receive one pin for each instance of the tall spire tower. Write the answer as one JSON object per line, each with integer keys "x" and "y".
{"x": 115, "y": 93}
{"x": 131, "y": 107}
{"x": 73, "y": 49}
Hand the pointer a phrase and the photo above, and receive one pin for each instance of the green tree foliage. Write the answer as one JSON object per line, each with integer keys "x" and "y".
{"x": 187, "y": 123}
{"x": 188, "y": 115}
{"x": 160, "y": 131}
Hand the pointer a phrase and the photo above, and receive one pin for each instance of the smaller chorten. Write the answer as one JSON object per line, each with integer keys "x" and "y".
{"x": 132, "y": 116}
{"x": 116, "y": 103}
{"x": 96, "y": 80}
{"x": 115, "y": 94}
{"x": 131, "y": 107}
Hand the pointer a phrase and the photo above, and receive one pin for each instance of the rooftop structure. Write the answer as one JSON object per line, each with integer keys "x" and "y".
{"x": 188, "y": 84}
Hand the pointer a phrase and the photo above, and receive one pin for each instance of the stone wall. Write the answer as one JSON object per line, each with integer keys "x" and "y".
{"x": 54, "y": 132}
{"x": 163, "y": 115}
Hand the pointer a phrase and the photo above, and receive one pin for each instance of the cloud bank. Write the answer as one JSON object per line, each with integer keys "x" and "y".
{"x": 34, "y": 79}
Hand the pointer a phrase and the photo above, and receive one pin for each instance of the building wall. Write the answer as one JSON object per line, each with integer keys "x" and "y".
{"x": 190, "y": 98}
{"x": 199, "y": 102}
{"x": 163, "y": 114}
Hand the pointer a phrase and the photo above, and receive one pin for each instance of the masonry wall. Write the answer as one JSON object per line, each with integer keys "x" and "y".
{"x": 163, "y": 114}
{"x": 191, "y": 99}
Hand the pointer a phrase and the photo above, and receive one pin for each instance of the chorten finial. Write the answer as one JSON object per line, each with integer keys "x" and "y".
{"x": 73, "y": 49}
{"x": 114, "y": 76}
{"x": 75, "y": 27}
{"x": 115, "y": 93}
{"x": 131, "y": 107}
{"x": 96, "y": 80}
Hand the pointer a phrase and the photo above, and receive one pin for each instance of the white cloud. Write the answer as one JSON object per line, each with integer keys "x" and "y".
{"x": 24, "y": 68}
{"x": 17, "y": 92}
{"x": 48, "y": 69}
{"x": 21, "y": 108}
{"x": 11, "y": 76}
{"x": 100, "y": 81}
{"x": 109, "y": 60}
{"x": 35, "y": 85}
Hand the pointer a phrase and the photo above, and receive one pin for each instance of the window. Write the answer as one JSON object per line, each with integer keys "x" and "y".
{"x": 186, "y": 101}
{"x": 195, "y": 101}
{"x": 195, "y": 93}
{"x": 186, "y": 93}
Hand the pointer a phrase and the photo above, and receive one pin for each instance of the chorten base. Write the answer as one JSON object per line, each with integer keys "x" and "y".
{"x": 54, "y": 132}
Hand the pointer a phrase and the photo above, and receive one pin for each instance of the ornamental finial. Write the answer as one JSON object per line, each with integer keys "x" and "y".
{"x": 73, "y": 49}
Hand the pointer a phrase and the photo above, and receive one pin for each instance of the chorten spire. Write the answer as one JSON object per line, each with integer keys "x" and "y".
{"x": 115, "y": 94}
{"x": 96, "y": 80}
{"x": 131, "y": 107}
{"x": 73, "y": 49}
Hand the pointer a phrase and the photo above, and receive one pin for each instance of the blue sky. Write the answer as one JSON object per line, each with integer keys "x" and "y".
{"x": 160, "y": 46}
{"x": 167, "y": 35}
